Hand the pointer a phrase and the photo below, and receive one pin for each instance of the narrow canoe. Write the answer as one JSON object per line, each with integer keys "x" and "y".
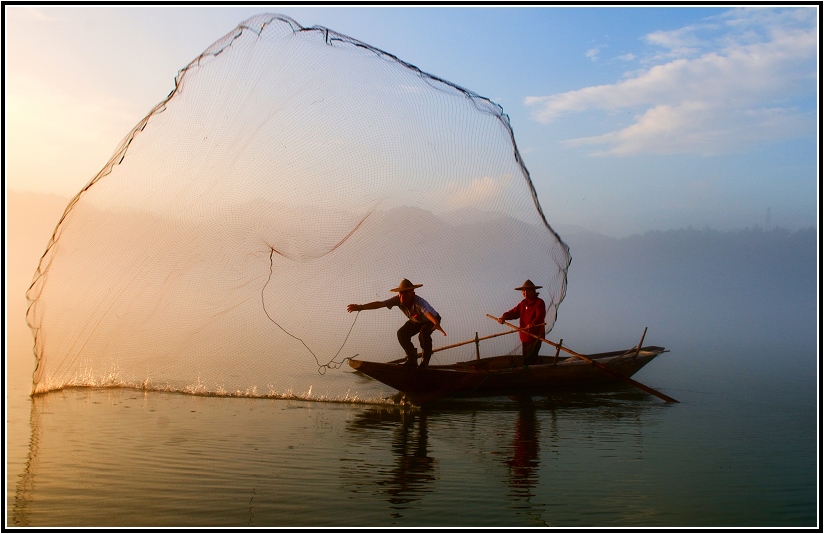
{"x": 505, "y": 375}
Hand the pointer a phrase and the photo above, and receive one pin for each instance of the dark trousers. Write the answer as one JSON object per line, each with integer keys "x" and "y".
{"x": 424, "y": 331}
{"x": 531, "y": 349}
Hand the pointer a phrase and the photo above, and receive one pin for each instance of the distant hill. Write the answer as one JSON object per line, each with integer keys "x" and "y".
{"x": 752, "y": 285}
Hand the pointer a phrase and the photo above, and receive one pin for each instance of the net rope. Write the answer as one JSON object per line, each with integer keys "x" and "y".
{"x": 322, "y": 368}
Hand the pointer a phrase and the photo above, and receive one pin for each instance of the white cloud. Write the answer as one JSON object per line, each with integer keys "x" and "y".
{"x": 676, "y": 43}
{"x": 698, "y": 128}
{"x": 713, "y": 93}
{"x": 592, "y": 53}
{"x": 484, "y": 189}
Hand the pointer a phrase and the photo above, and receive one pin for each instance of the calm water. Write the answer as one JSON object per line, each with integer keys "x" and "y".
{"x": 739, "y": 450}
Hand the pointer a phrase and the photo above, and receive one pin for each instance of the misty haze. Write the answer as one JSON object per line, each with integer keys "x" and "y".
{"x": 717, "y": 300}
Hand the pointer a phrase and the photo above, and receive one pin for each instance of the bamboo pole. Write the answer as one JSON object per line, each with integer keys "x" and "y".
{"x": 638, "y": 349}
{"x": 599, "y": 365}
{"x": 467, "y": 342}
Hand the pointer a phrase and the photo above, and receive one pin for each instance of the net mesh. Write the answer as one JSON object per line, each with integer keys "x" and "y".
{"x": 290, "y": 172}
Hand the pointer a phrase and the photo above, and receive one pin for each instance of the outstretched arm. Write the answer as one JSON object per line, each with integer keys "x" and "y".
{"x": 368, "y": 306}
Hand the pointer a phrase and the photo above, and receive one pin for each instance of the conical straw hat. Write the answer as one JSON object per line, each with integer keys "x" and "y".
{"x": 528, "y": 285}
{"x": 405, "y": 285}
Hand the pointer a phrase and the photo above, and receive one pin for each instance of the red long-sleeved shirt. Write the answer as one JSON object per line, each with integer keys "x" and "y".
{"x": 530, "y": 313}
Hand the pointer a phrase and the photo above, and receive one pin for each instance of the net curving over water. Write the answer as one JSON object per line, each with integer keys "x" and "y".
{"x": 290, "y": 171}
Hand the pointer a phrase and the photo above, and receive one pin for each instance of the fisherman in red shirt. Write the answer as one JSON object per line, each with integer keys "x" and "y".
{"x": 532, "y": 313}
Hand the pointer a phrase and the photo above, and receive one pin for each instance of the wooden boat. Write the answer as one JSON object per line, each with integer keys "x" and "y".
{"x": 506, "y": 375}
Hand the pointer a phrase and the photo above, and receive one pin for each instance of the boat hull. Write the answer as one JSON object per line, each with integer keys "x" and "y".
{"x": 504, "y": 375}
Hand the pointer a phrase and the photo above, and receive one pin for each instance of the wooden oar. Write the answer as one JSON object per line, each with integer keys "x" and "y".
{"x": 467, "y": 342}
{"x": 599, "y": 365}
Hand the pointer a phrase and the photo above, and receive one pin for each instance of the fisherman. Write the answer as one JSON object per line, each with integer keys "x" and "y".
{"x": 423, "y": 320}
{"x": 532, "y": 313}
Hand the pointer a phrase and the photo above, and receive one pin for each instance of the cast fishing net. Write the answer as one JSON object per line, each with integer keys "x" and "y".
{"x": 290, "y": 172}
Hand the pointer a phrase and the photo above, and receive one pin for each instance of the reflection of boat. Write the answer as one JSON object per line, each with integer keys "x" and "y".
{"x": 504, "y": 375}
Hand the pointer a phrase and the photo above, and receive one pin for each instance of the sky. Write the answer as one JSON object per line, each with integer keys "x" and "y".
{"x": 629, "y": 119}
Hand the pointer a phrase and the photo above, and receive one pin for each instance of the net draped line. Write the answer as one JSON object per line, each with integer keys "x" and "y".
{"x": 322, "y": 368}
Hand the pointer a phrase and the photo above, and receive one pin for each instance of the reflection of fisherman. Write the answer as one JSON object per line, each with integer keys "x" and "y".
{"x": 532, "y": 312}
{"x": 423, "y": 320}
{"x": 412, "y": 470}
{"x": 414, "y": 466}
{"x": 525, "y": 448}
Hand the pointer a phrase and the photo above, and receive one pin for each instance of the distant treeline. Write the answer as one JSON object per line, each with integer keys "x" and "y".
{"x": 776, "y": 241}
{"x": 741, "y": 285}
{"x": 779, "y": 250}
